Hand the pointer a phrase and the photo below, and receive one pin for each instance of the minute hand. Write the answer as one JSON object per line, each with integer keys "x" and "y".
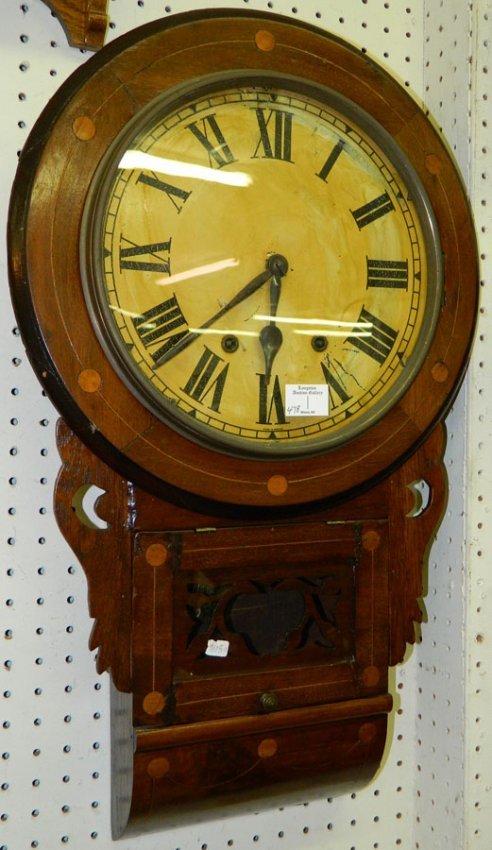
{"x": 243, "y": 293}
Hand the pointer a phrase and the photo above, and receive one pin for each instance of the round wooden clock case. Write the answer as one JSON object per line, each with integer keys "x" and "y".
{"x": 130, "y": 283}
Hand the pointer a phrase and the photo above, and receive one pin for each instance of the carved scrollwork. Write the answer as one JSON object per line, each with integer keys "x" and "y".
{"x": 84, "y": 21}
{"x": 269, "y": 616}
{"x": 105, "y": 555}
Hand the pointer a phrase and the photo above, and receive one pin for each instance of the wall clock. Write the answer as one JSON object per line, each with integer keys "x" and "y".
{"x": 245, "y": 270}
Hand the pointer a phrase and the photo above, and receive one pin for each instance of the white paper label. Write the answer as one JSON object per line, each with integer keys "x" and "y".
{"x": 217, "y": 648}
{"x": 307, "y": 400}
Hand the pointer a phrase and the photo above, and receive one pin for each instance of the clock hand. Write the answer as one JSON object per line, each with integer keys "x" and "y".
{"x": 271, "y": 336}
{"x": 274, "y": 265}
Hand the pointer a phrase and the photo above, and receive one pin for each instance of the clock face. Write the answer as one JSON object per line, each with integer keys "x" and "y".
{"x": 261, "y": 265}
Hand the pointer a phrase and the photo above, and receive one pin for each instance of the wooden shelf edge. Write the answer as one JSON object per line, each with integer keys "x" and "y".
{"x": 150, "y": 739}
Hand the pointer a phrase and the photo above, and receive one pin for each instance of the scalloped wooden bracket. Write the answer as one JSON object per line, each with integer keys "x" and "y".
{"x": 105, "y": 553}
{"x": 84, "y": 21}
{"x": 413, "y": 533}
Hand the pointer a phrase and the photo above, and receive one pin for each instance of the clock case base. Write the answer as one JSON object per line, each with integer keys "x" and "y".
{"x": 247, "y": 654}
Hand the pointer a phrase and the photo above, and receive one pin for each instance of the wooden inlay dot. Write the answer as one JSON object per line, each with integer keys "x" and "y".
{"x": 433, "y": 163}
{"x": 265, "y": 40}
{"x": 84, "y": 128}
{"x": 277, "y": 485}
{"x": 153, "y": 703}
{"x": 157, "y": 768}
{"x": 440, "y": 372}
{"x": 370, "y": 676}
{"x": 367, "y": 733}
{"x": 371, "y": 540}
{"x": 156, "y": 554}
{"x": 267, "y": 748}
{"x": 89, "y": 380}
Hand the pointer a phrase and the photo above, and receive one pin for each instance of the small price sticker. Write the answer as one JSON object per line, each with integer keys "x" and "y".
{"x": 217, "y": 648}
{"x": 307, "y": 400}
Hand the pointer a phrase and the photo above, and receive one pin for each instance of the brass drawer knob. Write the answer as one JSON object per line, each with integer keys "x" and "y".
{"x": 269, "y": 702}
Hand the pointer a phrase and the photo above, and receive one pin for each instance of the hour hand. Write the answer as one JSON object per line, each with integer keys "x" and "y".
{"x": 271, "y": 336}
{"x": 270, "y": 340}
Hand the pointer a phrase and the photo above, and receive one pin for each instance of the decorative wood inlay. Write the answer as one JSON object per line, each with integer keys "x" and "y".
{"x": 89, "y": 380}
{"x": 371, "y": 540}
{"x": 277, "y": 485}
{"x": 84, "y": 128}
{"x": 158, "y": 768}
{"x": 371, "y": 676}
{"x": 265, "y": 40}
{"x": 440, "y": 372}
{"x": 267, "y": 748}
{"x": 367, "y": 733}
{"x": 156, "y": 555}
{"x": 154, "y": 702}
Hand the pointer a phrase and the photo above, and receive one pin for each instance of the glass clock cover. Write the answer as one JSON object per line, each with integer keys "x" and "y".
{"x": 261, "y": 264}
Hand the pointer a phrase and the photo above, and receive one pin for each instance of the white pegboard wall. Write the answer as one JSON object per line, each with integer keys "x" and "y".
{"x": 53, "y": 706}
{"x": 478, "y": 781}
{"x": 54, "y": 709}
{"x": 448, "y": 60}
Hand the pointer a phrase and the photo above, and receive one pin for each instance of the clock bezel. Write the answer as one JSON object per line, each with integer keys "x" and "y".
{"x": 50, "y": 190}
{"x": 92, "y": 228}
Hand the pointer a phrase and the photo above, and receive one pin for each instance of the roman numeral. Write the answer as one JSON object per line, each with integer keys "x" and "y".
{"x": 268, "y": 405}
{"x": 210, "y": 136}
{"x": 153, "y": 262}
{"x": 388, "y": 274}
{"x": 380, "y": 341}
{"x": 338, "y": 393}
{"x": 206, "y": 379}
{"x": 157, "y": 325}
{"x": 177, "y": 196}
{"x": 373, "y": 210}
{"x": 275, "y": 134}
{"x": 330, "y": 162}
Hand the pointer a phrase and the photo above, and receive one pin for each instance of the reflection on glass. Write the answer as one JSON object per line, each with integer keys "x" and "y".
{"x": 323, "y": 327}
{"x": 122, "y": 312}
{"x": 222, "y": 332}
{"x": 175, "y": 168}
{"x": 296, "y": 320}
{"x": 198, "y": 271}
{"x": 325, "y": 332}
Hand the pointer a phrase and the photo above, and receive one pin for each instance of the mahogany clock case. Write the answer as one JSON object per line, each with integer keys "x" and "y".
{"x": 247, "y": 605}
{"x": 56, "y": 172}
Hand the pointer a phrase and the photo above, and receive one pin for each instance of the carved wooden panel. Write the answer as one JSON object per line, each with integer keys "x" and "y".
{"x": 258, "y": 619}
